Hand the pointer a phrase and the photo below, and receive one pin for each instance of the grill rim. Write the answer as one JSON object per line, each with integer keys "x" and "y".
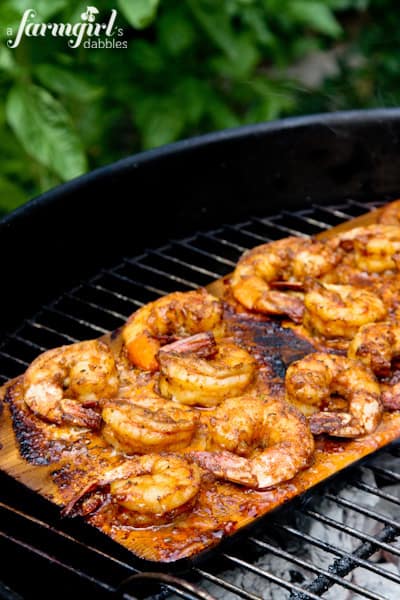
{"x": 219, "y": 153}
{"x": 333, "y": 119}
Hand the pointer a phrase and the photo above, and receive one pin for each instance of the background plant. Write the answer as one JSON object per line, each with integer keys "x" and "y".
{"x": 191, "y": 66}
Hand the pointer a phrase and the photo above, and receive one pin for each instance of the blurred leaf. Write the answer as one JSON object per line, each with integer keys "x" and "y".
{"x": 47, "y": 180}
{"x": 11, "y": 196}
{"x": 315, "y": 15}
{"x": 11, "y": 11}
{"x": 139, "y": 13}
{"x": 218, "y": 26}
{"x": 256, "y": 19}
{"x": 7, "y": 62}
{"x": 264, "y": 110}
{"x": 44, "y": 129}
{"x": 220, "y": 113}
{"x": 2, "y": 123}
{"x": 274, "y": 98}
{"x": 247, "y": 58}
{"x": 67, "y": 83}
{"x": 91, "y": 122}
{"x": 192, "y": 95}
{"x": 146, "y": 57}
{"x": 160, "y": 121}
{"x": 44, "y": 8}
{"x": 176, "y": 31}
{"x": 305, "y": 45}
{"x": 9, "y": 20}
{"x": 348, "y": 4}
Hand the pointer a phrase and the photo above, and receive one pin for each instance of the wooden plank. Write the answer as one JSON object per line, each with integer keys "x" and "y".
{"x": 223, "y": 508}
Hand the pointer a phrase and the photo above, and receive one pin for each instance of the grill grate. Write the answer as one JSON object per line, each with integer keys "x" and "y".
{"x": 341, "y": 539}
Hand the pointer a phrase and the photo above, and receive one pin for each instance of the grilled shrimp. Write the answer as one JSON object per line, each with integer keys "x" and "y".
{"x": 315, "y": 379}
{"x": 158, "y": 426}
{"x": 289, "y": 260}
{"x": 177, "y": 315}
{"x": 189, "y": 376}
{"x": 258, "y": 444}
{"x": 390, "y": 215}
{"x": 377, "y": 345}
{"x": 65, "y": 385}
{"x": 387, "y": 288}
{"x": 370, "y": 249}
{"x": 338, "y": 311}
{"x": 153, "y": 489}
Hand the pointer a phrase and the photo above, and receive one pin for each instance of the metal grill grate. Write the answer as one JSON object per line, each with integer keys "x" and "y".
{"x": 341, "y": 540}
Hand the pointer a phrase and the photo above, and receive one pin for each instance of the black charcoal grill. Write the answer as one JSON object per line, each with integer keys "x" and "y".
{"x": 78, "y": 260}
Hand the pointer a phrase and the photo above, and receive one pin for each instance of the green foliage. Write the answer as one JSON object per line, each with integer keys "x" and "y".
{"x": 369, "y": 75}
{"x": 190, "y": 66}
{"x": 43, "y": 127}
{"x": 316, "y": 15}
{"x": 139, "y": 13}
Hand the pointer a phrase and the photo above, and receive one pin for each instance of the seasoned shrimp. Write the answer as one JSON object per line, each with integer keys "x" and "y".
{"x": 65, "y": 384}
{"x": 370, "y": 249}
{"x": 390, "y": 214}
{"x": 153, "y": 489}
{"x": 378, "y": 346}
{"x": 160, "y": 425}
{"x": 338, "y": 311}
{"x": 390, "y": 389}
{"x": 190, "y": 378}
{"x": 289, "y": 260}
{"x": 318, "y": 378}
{"x": 177, "y": 315}
{"x": 387, "y": 288}
{"x": 258, "y": 444}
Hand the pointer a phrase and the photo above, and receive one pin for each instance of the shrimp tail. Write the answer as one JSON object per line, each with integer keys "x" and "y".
{"x": 71, "y": 508}
{"x": 281, "y": 303}
{"x": 203, "y": 345}
{"x": 86, "y": 501}
{"x": 74, "y": 413}
{"x": 329, "y": 422}
{"x": 295, "y": 310}
{"x": 391, "y": 398}
{"x": 226, "y": 465}
{"x": 293, "y": 286}
{"x": 173, "y": 316}
{"x": 263, "y": 471}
